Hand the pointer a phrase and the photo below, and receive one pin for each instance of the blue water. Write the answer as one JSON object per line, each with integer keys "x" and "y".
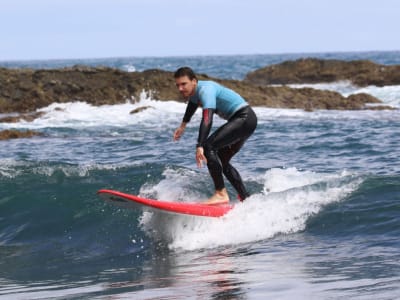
{"x": 323, "y": 221}
{"x": 229, "y": 66}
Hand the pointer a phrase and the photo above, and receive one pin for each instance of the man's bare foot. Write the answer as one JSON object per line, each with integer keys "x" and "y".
{"x": 219, "y": 197}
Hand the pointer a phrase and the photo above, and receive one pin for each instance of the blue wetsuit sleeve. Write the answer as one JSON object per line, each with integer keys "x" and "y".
{"x": 205, "y": 126}
{"x": 190, "y": 110}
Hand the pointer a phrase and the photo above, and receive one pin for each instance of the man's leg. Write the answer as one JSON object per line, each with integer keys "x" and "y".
{"x": 225, "y": 155}
{"x": 218, "y": 165}
{"x": 215, "y": 170}
{"x": 230, "y": 137}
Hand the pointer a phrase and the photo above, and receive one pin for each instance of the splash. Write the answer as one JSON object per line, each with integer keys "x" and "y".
{"x": 389, "y": 95}
{"x": 289, "y": 198}
{"x": 84, "y": 115}
{"x": 166, "y": 114}
{"x": 11, "y": 168}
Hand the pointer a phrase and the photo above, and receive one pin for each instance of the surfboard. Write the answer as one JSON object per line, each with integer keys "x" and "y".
{"x": 188, "y": 208}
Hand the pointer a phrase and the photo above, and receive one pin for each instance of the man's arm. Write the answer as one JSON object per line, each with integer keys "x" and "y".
{"x": 205, "y": 126}
{"x": 179, "y": 131}
{"x": 190, "y": 110}
{"x": 204, "y": 130}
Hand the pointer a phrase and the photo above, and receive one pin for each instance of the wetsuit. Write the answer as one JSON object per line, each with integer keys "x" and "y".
{"x": 227, "y": 140}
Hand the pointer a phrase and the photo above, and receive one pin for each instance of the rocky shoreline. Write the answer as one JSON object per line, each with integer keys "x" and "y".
{"x": 23, "y": 91}
{"x": 310, "y": 70}
{"x": 15, "y": 134}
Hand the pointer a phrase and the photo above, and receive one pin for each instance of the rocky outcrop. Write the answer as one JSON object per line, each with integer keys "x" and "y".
{"x": 28, "y": 117}
{"x": 25, "y": 90}
{"x": 304, "y": 98}
{"x": 15, "y": 134}
{"x": 140, "y": 109}
{"x": 311, "y": 70}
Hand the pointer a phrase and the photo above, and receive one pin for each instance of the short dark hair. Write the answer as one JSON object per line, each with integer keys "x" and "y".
{"x": 185, "y": 71}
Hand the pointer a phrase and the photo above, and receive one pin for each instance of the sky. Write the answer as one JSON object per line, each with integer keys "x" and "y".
{"x": 60, "y": 29}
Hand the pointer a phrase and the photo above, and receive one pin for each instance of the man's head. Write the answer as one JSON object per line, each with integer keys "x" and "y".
{"x": 186, "y": 81}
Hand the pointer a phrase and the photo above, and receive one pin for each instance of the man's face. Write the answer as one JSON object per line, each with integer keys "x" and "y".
{"x": 186, "y": 86}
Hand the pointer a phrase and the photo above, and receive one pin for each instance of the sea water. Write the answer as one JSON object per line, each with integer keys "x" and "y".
{"x": 323, "y": 221}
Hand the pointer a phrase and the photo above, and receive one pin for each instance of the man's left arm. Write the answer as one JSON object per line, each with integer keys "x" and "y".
{"x": 204, "y": 130}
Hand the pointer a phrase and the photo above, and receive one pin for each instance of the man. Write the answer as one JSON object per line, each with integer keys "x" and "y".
{"x": 217, "y": 149}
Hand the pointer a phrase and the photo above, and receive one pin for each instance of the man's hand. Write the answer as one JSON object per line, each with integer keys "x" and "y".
{"x": 179, "y": 131}
{"x": 200, "y": 157}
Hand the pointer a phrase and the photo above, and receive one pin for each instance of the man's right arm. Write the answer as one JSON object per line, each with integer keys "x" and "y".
{"x": 190, "y": 110}
{"x": 179, "y": 131}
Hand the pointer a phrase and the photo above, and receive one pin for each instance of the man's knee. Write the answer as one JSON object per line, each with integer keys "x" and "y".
{"x": 227, "y": 169}
{"x": 209, "y": 152}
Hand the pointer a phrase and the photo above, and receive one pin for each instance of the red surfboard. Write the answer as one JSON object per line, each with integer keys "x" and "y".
{"x": 135, "y": 202}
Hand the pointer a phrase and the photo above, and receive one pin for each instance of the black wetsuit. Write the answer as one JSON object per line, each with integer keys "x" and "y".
{"x": 224, "y": 143}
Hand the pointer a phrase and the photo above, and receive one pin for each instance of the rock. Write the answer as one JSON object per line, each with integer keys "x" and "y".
{"x": 96, "y": 86}
{"x": 26, "y": 90}
{"x": 311, "y": 70}
{"x": 140, "y": 109}
{"x": 303, "y": 98}
{"x": 15, "y": 134}
{"x": 380, "y": 107}
{"x": 29, "y": 117}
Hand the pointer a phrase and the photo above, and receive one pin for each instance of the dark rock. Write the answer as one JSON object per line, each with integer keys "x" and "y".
{"x": 140, "y": 109}
{"x": 96, "y": 86}
{"x": 303, "y": 98}
{"x": 15, "y": 134}
{"x": 311, "y": 70}
{"x": 29, "y": 117}
{"x": 26, "y": 90}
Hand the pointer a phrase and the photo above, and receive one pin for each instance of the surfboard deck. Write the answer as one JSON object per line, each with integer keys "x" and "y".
{"x": 188, "y": 208}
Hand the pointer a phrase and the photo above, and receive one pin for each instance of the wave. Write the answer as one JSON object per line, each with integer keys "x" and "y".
{"x": 83, "y": 115}
{"x": 372, "y": 209}
{"x": 283, "y": 209}
{"x": 50, "y": 213}
{"x": 11, "y": 168}
{"x": 389, "y": 95}
{"x": 158, "y": 115}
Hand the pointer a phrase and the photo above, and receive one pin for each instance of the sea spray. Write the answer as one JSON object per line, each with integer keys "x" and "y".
{"x": 262, "y": 216}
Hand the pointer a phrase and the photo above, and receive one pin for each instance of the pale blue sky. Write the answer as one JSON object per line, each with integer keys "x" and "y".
{"x": 50, "y": 29}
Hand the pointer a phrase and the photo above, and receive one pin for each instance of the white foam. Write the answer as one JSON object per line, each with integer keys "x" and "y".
{"x": 342, "y": 87}
{"x": 278, "y": 180}
{"x": 129, "y": 68}
{"x": 167, "y": 114}
{"x": 284, "y": 209}
{"x": 389, "y": 95}
{"x": 82, "y": 114}
{"x": 11, "y": 168}
{"x": 267, "y": 114}
{"x": 81, "y": 170}
{"x": 163, "y": 190}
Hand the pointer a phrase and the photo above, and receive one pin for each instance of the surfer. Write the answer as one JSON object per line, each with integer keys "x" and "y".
{"x": 217, "y": 149}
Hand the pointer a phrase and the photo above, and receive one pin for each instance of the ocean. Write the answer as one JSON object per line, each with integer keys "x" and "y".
{"x": 323, "y": 221}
